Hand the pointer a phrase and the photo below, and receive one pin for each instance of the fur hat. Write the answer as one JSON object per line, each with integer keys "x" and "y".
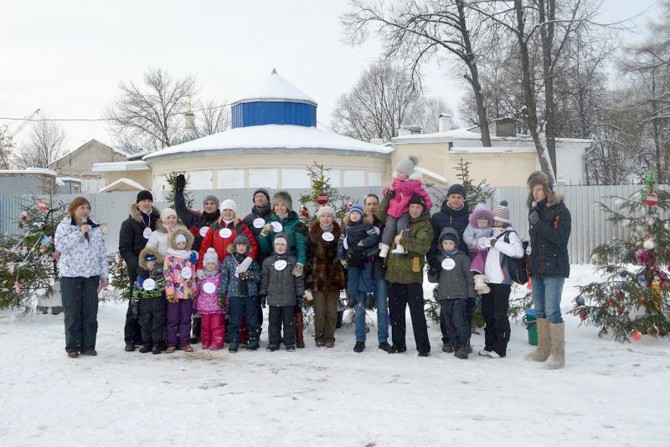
{"x": 501, "y": 212}
{"x": 210, "y": 257}
{"x": 262, "y": 191}
{"x": 149, "y": 254}
{"x": 211, "y": 198}
{"x": 356, "y": 208}
{"x": 456, "y": 188}
{"x": 241, "y": 239}
{"x": 407, "y": 165}
{"x": 539, "y": 178}
{"x": 167, "y": 212}
{"x": 229, "y": 204}
{"x": 325, "y": 210}
{"x": 144, "y": 195}
{"x": 417, "y": 200}
{"x": 481, "y": 212}
{"x": 283, "y": 197}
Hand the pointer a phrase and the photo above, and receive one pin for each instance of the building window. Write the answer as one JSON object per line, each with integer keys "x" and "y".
{"x": 335, "y": 175}
{"x": 374, "y": 179}
{"x": 230, "y": 178}
{"x": 294, "y": 178}
{"x": 354, "y": 178}
{"x": 199, "y": 179}
{"x": 263, "y": 178}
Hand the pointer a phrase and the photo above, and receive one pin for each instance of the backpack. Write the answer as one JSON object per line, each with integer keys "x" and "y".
{"x": 518, "y": 268}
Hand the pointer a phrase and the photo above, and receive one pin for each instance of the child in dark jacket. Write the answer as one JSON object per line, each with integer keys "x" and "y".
{"x": 283, "y": 292}
{"x": 456, "y": 285}
{"x": 358, "y": 238}
{"x": 241, "y": 290}
{"x": 149, "y": 294}
{"x": 213, "y": 326}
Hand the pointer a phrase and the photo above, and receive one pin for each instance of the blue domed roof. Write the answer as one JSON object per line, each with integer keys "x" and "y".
{"x": 274, "y": 101}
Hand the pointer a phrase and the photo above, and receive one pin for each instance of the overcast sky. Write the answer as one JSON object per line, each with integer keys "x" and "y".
{"x": 67, "y": 57}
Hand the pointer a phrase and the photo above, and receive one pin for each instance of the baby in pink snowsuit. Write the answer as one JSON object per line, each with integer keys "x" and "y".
{"x": 405, "y": 184}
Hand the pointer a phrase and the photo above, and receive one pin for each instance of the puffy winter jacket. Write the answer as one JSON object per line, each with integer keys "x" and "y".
{"x": 132, "y": 239}
{"x": 448, "y": 217}
{"x": 79, "y": 256}
{"x": 295, "y": 232}
{"x": 408, "y": 268}
{"x": 404, "y": 190}
{"x": 224, "y": 245}
{"x": 194, "y": 220}
{"x": 207, "y": 302}
{"x": 278, "y": 282}
{"x": 549, "y": 239}
{"x": 495, "y": 268}
{"x": 230, "y": 284}
{"x": 455, "y": 278}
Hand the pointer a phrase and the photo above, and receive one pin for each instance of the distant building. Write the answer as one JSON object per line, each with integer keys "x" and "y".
{"x": 79, "y": 164}
{"x": 28, "y": 181}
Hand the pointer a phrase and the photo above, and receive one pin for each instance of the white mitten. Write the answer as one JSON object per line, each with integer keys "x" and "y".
{"x": 200, "y": 274}
{"x": 243, "y": 266}
{"x": 308, "y": 295}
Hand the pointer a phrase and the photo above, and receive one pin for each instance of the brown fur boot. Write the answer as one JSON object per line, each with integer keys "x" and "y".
{"x": 299, "y": 340}
{"x": 543, "y": 342}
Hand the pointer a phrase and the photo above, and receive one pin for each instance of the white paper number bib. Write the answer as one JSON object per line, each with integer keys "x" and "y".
{"x": 280, "y": 265}
{"x": 327, "y": 236}
{"x": 225, "y": 233}
{"x": 259, "y": 222}
{"x": 186, "y": 273}
{"x": 209, "y": 287}
{"x": 203, "y": 231}
{"x": 146, "y": 233}
{"x": 149, "y": 284}
{"x": 277, "y": 227}
{"x": 448, "y": 264}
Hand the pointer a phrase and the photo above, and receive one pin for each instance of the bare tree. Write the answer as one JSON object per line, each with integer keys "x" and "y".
{"x": 383, "y": 99}
{"x": 212, "y": 117}
{"x": 45, "y": 145}
{"x": 148, "y": 117}
{"x": 416, "y": 30}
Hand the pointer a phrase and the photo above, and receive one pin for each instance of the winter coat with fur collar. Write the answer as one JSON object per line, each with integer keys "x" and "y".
{"x": 132, "y": 239}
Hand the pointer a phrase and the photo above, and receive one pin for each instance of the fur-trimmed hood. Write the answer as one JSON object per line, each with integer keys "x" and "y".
{"x": 180, "y": 229}
{"x": 481, "y": 212}
{"x": 136, "y": 213}
{"x": 149, "y": 251}
{"x": 444, "y": 232}
{"x": 540, "y": 178}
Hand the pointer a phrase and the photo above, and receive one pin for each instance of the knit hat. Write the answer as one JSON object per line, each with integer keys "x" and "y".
{"x": 449, "y": 237}
{"x": 279, "y": 239}
{"x": 167, "y": 212}
{"x": 210, "y": 257}
{"x": 456, "y": 188}
{"x": 356, "y": 208}
{"x": 144, "y": 195}
{"x": 262, "y": 191}
{"x": 407, "y": 165}
{"x": 325, "y": 210}
{"x": 211, "y": 198}
{"x": 179, "y": 237}
{"x": 417, "y": 200}
{"x": 242, "y": 239}
{"x": 229, "y": 204}
{"x": 282, "y": 197}
{"x": 501, "y": 212}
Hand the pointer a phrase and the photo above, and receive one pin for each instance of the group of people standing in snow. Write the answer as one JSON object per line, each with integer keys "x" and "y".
{"x": 223, "y": 270}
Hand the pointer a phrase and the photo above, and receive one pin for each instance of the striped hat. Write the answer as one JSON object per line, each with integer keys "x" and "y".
{"x": 501, "y": 212}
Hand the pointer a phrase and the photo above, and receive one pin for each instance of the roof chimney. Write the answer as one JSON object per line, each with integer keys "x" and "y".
{"x": 445, "y": 122}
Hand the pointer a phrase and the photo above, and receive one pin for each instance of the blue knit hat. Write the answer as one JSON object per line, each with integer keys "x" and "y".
{"x": 356, "y": 208}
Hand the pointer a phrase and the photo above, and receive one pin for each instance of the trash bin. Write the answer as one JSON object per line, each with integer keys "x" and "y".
{"x": 530, "y": 321}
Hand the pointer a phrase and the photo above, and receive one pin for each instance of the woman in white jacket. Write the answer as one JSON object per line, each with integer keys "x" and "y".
{"x": 159, "y": 237}
{"x": 495, "y": 304}
{"x": 83, "y": 270}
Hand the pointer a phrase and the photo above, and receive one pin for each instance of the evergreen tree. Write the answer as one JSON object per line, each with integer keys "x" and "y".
{"x": 322, "y": 193}
{"x": 28, "y": 265}
{"x": 634, "y": 298}
{"x": 476, "y": 192}
{"x": 171, "y": 180}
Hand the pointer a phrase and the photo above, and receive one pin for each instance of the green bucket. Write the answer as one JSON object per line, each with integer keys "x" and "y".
{"x": 530, "y": 321}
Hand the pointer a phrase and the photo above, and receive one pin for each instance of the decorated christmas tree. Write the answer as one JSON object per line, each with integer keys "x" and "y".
{"x": 28, "y": 265}
{"x": 322, "y": 193}
{"x": 634, "y": 298}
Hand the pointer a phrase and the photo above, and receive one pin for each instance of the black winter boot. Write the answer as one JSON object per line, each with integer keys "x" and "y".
{"x": 146, "y": 348}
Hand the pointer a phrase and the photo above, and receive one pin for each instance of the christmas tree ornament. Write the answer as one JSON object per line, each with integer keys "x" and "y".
{"x": 322, "y": 198}
{"x": 42, "y": 206}
{"x": 636, "y": 335}
{"x": 651, "y": 200}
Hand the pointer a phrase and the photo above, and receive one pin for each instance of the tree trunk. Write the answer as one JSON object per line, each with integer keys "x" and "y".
{"x": 547, "y": 16}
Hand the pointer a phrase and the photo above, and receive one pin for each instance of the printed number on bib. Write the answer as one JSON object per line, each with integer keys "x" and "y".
{"x": 186, "y": 273}
{"x": 327, "y": 236}
{"x": 277, "y": 227}
{"x": 149, "y": 284}
{"x": 203, "y": 231}
{"x": 209, "y": 287}
{"x": 259, "y": 222}
{"x": 225, "y": 233}
{"x": 280, "y": 265}
{"x": 146, "y": 233}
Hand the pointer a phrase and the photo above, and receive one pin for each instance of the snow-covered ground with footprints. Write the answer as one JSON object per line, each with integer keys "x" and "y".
{"x": 608, "y": 394}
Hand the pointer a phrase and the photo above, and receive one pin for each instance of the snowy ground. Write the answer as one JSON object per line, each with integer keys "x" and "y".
{"x": 608, "y": 393}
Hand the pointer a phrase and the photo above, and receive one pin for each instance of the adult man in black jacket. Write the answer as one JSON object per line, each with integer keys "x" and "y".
{"x": 133, "y": 236}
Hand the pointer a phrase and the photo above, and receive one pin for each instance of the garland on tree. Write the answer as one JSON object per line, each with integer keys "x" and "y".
{"x": 28, "y": 265}
{"x": 634, "y": 298}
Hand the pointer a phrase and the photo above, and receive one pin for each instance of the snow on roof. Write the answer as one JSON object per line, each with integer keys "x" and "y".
{"x": 29, "y": 171}
{"x": 271, "y": 136}
{"x": 69, "y": 179}
{"x": 123, "y": 184}
{"x": 274, "y": 88}
{"x": 492, "y": 150}
{"x": 115, "y": 166}
{"x": 469, "y": 133}
{"x": 431, "y": 174}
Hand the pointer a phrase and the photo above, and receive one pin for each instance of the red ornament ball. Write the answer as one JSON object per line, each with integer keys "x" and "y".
{"x": 322, "y": 198}
{"x": 636, "y": 335}
{"x": 651, "y": 200}
{"x": 42, "y": 206}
